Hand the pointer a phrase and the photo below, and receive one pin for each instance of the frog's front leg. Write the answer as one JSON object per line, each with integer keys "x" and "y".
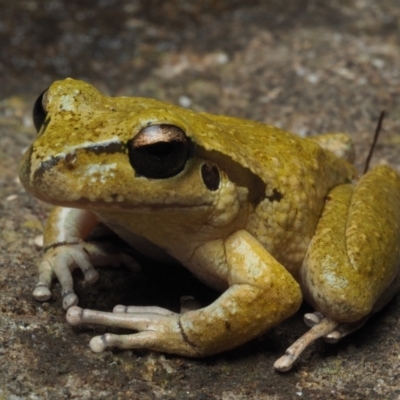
{"x": 65, "y": 249}
{"x": 351, "y": 268}
{"x": 261, "y": 294}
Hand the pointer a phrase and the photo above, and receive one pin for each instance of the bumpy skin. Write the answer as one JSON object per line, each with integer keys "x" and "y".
{"x": 357, "y": 238}
{"x": 284, "y": 209}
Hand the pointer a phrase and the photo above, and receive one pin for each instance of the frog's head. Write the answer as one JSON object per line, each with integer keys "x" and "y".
{"x": 101, "y": 153}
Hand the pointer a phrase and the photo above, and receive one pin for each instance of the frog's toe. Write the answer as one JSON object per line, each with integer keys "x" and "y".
{"x": 312, "y": 319}
{"x": 70, "y": 299}
{"x": 320, "y": 329}
{"x": 74, "y": 315}
{"x": 188, "y": 303}
{"x": 134, "y": 341}
{"x": 81, "y": 258}
{"x": 142, "y": 310}
{"x": 104, "y": 254}
{"x": 90, "y": 275}
{"x": 343, "y": 330}
{"x": 99, "y": 343}
{"x": 41, "y": 292}
{"x": 136, "y": 321}
{"x": 333, "y": 337}
{"x": 156, "y": 331}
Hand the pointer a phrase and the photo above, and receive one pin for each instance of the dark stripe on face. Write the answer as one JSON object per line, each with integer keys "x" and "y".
{"x": 108, "y": 148}
{"x": 45, "y": 166}
{"x": 95, "y": 148}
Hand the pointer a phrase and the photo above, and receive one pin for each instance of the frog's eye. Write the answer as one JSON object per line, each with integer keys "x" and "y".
{"x": 39, "y": 111}
{"x": 159, "y": 151}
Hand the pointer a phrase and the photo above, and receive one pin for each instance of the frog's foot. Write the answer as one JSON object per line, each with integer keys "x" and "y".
{"x": 62, "y": 259}
{"x": 158, "y": 329}
{"x": 151, "y": 321}
{"x": 341, "y": 330}
{"x": 322, "y": 328}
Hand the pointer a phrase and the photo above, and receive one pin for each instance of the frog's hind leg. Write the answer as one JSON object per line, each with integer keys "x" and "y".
{"x": 354, "y": 256}
{"x": 344, "y": 329}
{"x": 351, "y": 267}
{"x": 329, "y": 329}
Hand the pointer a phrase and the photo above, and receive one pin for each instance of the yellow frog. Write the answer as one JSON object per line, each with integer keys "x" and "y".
{"x": 260, "y": 214}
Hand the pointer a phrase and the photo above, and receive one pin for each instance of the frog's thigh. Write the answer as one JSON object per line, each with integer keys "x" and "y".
{"x": 261, "y": 294}
{"x": 353, "y": 259}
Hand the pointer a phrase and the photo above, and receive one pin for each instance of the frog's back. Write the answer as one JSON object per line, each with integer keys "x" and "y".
{"x": 297, "y": 174}
{"x": 271, "y": 152}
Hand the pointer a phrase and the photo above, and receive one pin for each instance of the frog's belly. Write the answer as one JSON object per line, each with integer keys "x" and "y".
{"x": 149, "y": 249}
{"x": 141, "y": 244}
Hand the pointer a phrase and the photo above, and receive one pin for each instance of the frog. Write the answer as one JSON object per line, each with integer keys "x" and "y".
{"x": 266, "y": 217}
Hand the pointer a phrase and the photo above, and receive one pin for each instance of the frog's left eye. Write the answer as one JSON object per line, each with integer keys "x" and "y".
{"x": 39, "y": 111}
{"x": 159, "y": 151}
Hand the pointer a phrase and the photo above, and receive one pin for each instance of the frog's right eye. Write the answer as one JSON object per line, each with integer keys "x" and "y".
{"x": 39, "y": 111}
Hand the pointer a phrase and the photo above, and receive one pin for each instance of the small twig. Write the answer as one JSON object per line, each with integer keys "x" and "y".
{"x": 371, "y": 150}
